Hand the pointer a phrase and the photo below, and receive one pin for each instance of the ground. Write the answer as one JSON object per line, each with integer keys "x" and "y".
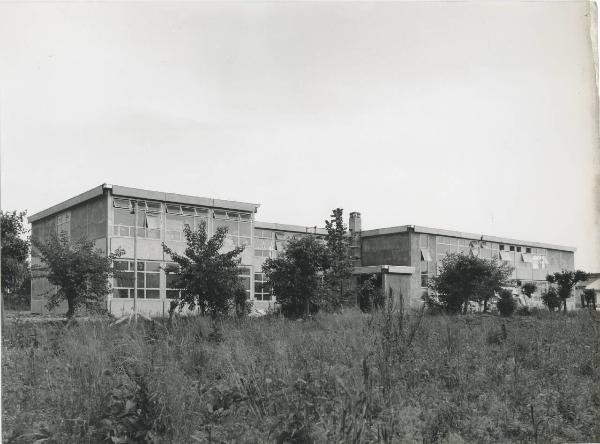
{"x": 349, "y": 377}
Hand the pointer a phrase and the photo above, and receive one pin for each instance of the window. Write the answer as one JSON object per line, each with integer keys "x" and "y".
{"x": 63, "y": 223}
{"x": 245, "y": 278}
{"x": 511, "y": 248}
{"x": 239, "y": 226}
{"x": 262, "y": 290}
{"x": 518, "y": 249}
{"x": 174, "y": 225}
{"x": 148, "y": 218}
{"x": 264, "y": 246}
{"x": 501, "y": 247}
{"x": 148, "y": 276}
{"x": 425, "y": 256}
{"x": 172, "y": 291}
{"x": 527, "y": 249}
{"x": 424, "y": 274}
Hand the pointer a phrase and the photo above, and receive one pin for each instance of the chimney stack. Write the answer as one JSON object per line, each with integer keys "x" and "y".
{"x": 354, "y": 225}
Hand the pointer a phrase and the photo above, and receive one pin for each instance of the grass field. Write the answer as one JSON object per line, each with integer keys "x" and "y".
{"x": 350, "y": 377}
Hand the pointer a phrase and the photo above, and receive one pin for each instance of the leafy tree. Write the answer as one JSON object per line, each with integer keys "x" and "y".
{"x": 79, "y": 271}
{"x": 340, "y": 262}
{"x": 551, "y": 299}
{"x": 465, "y": 278}
{"x": 207, "y": 278}
{"x": 506, "y": 305}
{"x": 589, "y": 298}
{"x": 296, "y": 276}
{"x": 369, "y": 293}
{"x": 15, "y": 251}
{"x": 528, "y": 288}
{"x": 565, "y": 282}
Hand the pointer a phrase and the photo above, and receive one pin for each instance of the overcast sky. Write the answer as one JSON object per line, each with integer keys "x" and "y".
{"x": 480, "y": 117}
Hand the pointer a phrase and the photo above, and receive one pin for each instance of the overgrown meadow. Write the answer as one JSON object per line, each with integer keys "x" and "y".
{"x": 350, "y": 377}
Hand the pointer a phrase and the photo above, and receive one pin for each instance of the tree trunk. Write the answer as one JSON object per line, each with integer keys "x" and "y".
{"x": 565, "y": 305}
{"x": 71, "y": 308}
{"x": 485, "y": 307}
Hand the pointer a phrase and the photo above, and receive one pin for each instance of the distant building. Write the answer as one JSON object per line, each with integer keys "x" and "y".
{"x": 404, "y": 257}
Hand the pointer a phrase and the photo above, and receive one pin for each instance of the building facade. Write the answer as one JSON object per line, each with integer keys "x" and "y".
{"x": 139, "y": 221}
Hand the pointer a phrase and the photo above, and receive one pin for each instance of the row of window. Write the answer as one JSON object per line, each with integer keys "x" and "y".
{"x": 148, "y": 276}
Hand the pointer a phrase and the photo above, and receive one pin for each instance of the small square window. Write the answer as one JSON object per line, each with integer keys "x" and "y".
{"x": 501, "y": 247}
{"x": 512, "y": 248}
{"x": 527, "y": 250}
{"x": 518, "y": 249}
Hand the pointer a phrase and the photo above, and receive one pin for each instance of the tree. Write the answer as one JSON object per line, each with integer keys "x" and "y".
{"x": 207, "y": 278}
{"x": 528, "y": 288}
{"x": 565, "y": 282}
{"x": 340, "y": 262}
{"x": 15, "y": 251}
{"x": 506, "y": 304}
{"x": 296, "y": 276}
{"x": 551, "y": 299}
{"x": 465, "y": 278}
{"x": 588, "y": 298}
{"x": 80, "y": 272}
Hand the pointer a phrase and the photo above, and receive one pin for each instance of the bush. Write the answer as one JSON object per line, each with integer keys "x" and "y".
{"x": 506, "y": 305}
{"x": 551, "y": 299}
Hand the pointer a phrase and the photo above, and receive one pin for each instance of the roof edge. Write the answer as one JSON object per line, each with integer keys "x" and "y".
{"x": 62, "y": 206}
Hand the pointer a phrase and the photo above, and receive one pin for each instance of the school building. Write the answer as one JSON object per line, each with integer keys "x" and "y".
{"x": 139, "y": 221}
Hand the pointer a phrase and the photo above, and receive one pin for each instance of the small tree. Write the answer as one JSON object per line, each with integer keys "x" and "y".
{"x": 565, "y": 282}
{"x": 207, "y": 278}
{"x": 369, "y": 293}
{"x": 464, "y": 278}
{"x": 589, "y": 298}
{"x": 528, "y": 288}
{"x": 296, "y": 276}
{"x": 506, "y": 304}
{"x": 79, "y": 271}
{"x": 551, "y": 299}
{"x": 340, "y": 262}
{"x": 15, "y": 251}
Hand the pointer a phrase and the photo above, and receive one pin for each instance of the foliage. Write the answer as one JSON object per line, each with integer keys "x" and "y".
{"x": 565, "y": 282}
{"x": 349, "y": 377}
{"x": 207, "y": 278}
{"x": 528, "y": 288}
{"x": 506, "y": 305}
{"x": 15, "y": 241}
{"x": 589, "y": 297}
{"x": 296, "y": 276}
{"x": 338, "y": 274}
{"x": 369, "y": 293}
{"x": 551, "y": 299}
{"x": 79, "y": 271}
{"x": 465, "y": 278}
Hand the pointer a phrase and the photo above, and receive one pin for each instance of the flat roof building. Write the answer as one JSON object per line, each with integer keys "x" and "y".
{"x": 405, "y": 256}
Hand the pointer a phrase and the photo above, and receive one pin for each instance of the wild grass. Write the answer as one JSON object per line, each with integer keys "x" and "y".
{"x": 350, "y": 377}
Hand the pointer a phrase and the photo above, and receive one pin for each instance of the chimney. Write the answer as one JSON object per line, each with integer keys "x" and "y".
{"x": 354, "y": 225}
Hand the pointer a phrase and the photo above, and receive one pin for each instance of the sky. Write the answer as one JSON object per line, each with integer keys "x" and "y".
{"x": 473, "y": 116}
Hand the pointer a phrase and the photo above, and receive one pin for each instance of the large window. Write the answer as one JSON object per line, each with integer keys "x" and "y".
{"x": 264, "y": 244}
{"x": 63, "y": 223}
{"x": 178, "y": 216}
{"x": 148, "y": 275}
{"x": 244, "y": 275}
{"x": 148, "y": 218}
{"x": 172, "y": 291}
{"x": 262, "y": 290}
{"x": 239, "y": 227}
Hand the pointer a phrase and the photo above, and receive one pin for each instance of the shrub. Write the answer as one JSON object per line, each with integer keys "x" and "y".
{"x": 551, "y": 299}
{"x": 464, "y": 279}
{"x": 506, "y": 305}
